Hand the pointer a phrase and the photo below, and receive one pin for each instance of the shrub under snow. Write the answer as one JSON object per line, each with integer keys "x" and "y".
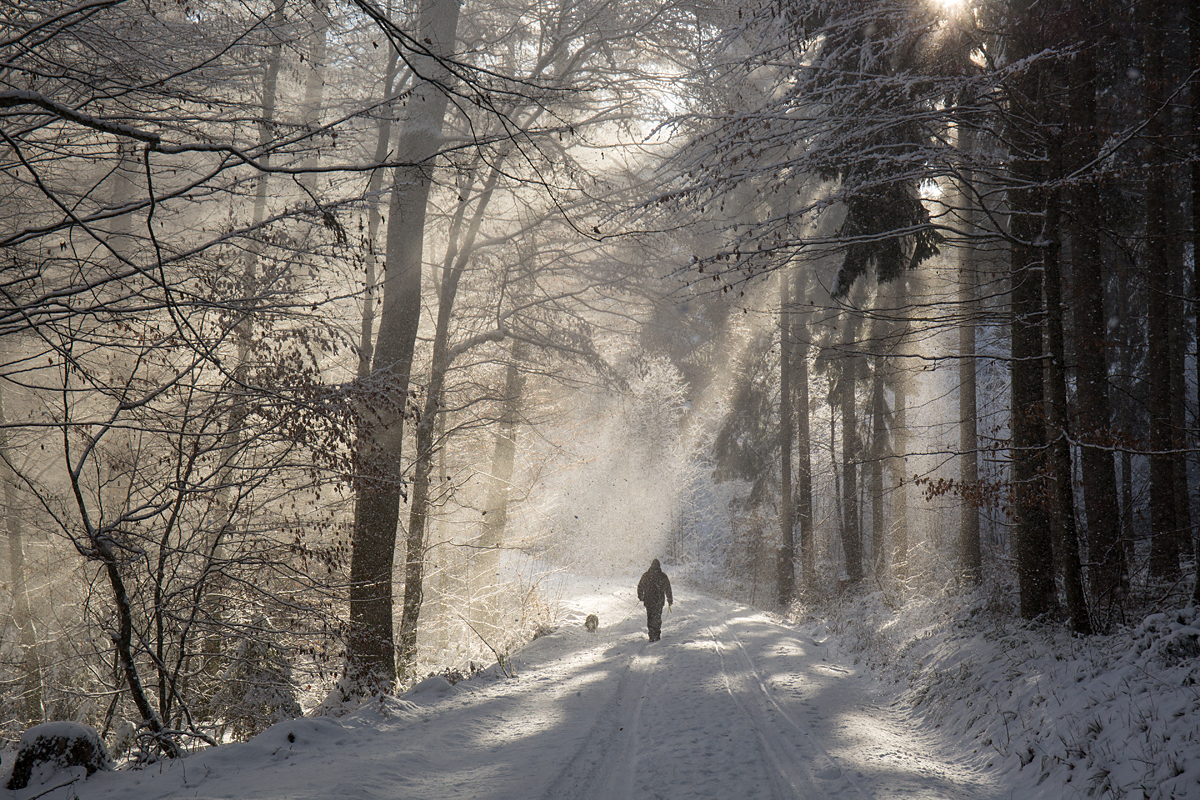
{"x": 51, "y": 747}
{"x": 1057, "y": 714}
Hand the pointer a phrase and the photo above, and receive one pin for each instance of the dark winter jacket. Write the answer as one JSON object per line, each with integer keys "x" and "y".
{"x": 654, "y": 587}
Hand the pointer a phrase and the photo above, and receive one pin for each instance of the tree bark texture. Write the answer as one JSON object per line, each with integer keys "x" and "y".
{"x": 1164, "y": 544}
{"x": 458, "y": 255}
{"x": 1107, "y": 571}
{"x": 1194, "y": 144}
{"x": 1062, "y": 490}
{"x": 897, "y": 466}
{"x": 1032, "y": 548}
{"x": 785, "y": 581}
{"x": 898, "y": 469}
{"x": 879, "y": 447}
{"x": 371, "y": 658}
{"x": 799, "y": 334}
{"x": 970, "y": 551}
{"x": 851, "y": 534}
{"x": 383, "y": 139}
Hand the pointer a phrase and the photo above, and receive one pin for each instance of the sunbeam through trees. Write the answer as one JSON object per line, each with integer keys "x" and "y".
{"x": 331, "y": 331}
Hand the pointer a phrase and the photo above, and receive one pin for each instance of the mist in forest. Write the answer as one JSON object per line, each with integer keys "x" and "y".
{"x": 335, "y": 338}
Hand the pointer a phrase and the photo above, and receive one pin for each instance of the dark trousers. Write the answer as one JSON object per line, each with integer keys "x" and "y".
{"x": 654, "y": 622}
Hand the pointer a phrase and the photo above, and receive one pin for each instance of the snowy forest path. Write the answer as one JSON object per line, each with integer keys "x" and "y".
{"x": 808, "y": 771}
{"x": 730, "y": 704}
{"x": 733, "y": 704}
{"x": 604, "y": 767}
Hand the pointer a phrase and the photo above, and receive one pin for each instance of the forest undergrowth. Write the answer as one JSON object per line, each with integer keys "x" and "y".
{"x": 1053, "y": 713}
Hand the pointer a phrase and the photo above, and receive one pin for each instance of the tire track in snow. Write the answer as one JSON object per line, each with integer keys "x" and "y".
{"x": 790, "y": 778}
{"x": 605, "y": 765}
{"x": 834, "y": 770}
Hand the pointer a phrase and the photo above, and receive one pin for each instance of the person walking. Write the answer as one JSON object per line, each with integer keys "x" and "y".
{"x": 653, "y": 589}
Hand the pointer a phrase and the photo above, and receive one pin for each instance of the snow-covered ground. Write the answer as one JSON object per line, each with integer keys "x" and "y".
{"x": 730, "y": 704}
{"x": 1057, "y": 715}
{"x": 935, "y": 701}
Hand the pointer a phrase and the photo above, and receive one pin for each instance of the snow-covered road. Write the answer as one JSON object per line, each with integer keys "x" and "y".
{"x": 732, "y": 705}
{"x": 729, "y": 705}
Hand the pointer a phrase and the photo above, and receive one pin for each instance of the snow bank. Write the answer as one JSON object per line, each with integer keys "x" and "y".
{"x": 1055, "y": 714}
{"x": 53, "y": 747}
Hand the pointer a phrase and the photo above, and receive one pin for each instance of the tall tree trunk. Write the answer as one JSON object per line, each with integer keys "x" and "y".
{"x": 1178, "y": 353}
{"x": 834, "y": 407}
{"x": 1127, "y": 515}
{"x": 898, "y": 464}
{"x": 970, "y": 548}
{"x": 970, "y": 551}
{"x": 504, "y": 453}
{"x": 785, "y": 581}
{"x": 370, "y": 653}
{"x": 312, "y": 66}
{"x": 315, "y": 72}
{"x": 1059, "y": 454}
{"x": 124, "y": 188}
{"x": 383, "y": 139}
{"x": 879, "y": 447}
{"x": 368, "y": 663}
{"x": 32, "y": 692}
{"x": 898, "y": 468}
{"x": 1128, "y": 408}
{"x": 1032, "y": 548}
{"x": 425, "y": 444}
{"x": 851, "y": 533}
{"x": 231, "y": 440}
{"x": 1194, "y": 144}
{"x": 1106, "y": 556}
{"x": 798, "y": 327}
{"x": 1035, "y": 564}
{"x": 1164, "y": 544}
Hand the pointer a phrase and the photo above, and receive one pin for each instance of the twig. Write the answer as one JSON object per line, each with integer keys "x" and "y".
{"x": 53, "y": 789}
{"x": 499, "y": 657}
